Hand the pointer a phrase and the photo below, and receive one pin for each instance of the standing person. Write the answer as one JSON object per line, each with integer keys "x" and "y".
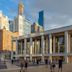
{"x": 50, "y": 66}
{"x": 37, "y": 62}
{"x": 46, "y": 62}
{"x": 60, "y": 64}
{"x": 26, "y": 65}
{"x": 21, "y": 65}
{"x": 12, "y": 61}
{"x": 53, "y": 65}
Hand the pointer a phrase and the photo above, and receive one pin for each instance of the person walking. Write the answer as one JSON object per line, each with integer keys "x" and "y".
{"x": 50, "y": 66}
{"x": 21, "y": 65}
{"x": 12, "y": 61}
{"x": 46, "y": 63}
{"x": 37, "y": 62}
{"x": 60, "y": 65}
{"x": 53, "y": 65}
{"x": 26, "y": 65}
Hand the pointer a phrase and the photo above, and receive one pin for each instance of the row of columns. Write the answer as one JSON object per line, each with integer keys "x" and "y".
{"x": 42, "y": 46}
{"x": 67, "y": 46}
{"x": 24, "y": 52}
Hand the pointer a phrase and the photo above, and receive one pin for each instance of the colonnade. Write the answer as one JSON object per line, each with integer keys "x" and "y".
{"x": 47, "y": 40}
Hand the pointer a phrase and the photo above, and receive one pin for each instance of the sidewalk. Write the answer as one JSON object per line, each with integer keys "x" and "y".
{"x": 42, "y": 68}
{"x": 11, "y": 66}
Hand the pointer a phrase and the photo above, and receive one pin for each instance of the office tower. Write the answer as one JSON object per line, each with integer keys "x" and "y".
{"x": 20, "y": 8}
{"x": 21, "y": 24}
{"x": 41, "y": 18}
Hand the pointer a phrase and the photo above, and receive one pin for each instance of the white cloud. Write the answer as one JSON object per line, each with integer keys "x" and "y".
{"x": 52, "y": 26}
{"x": 57, "y": 12}
{"x": 57, "y": 21}
{"x": 69, "y": 21}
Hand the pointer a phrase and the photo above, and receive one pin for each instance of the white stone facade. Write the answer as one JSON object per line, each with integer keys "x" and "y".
{"x": 50, "y": 44}
{"x": 4, "y": 21}
{"x": 22, "y": 26}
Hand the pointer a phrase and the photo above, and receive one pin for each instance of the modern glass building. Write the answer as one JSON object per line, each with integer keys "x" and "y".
{"x": 41, "y": 18}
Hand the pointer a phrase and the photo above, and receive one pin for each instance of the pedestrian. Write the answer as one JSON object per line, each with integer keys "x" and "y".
{"x": 53, "y": 65}
{"x": 50, "y": 66}
{"x": 12, "y": 61}
{"x": 49, "y": 61}
{"x": 26, "y": 65}
{"x": 46, "y": 62}
{"x": 21, "y": 65}
{"x": 37, "y": 62}
{"x": 60, "y": 65}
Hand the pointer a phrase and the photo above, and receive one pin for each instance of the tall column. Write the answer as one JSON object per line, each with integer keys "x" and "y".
{"x": 53, "y": 44}
{"x": 66, "y": 46}
{"x": 21, "y": 48}
{"x": 42, "y": 46}
{"x": 58, "y": 47}
{"x": 33, "y": 51}
{"x": 11, "y": 49}
{"x": 35, "y": 45}
{"x": 30, "y": 49}
{"x": 50, "y": 46}
{"x": 46, "y": 50}
{"x": 16, "y": 47}
{"x": 25, "y": 48}
{"x": 69, "y": 42}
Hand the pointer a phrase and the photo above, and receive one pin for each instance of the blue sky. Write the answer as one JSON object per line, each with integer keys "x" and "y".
{"x": 57, "y": 13}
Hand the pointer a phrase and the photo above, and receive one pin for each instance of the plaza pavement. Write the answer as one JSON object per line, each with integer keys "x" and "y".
{"x": 41, "y": 68}
{"x": 2, "y": 65}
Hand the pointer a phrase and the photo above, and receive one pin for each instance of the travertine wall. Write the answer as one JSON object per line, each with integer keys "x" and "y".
{"x": 6, "y": 40}
{"x": 1, "y": 40}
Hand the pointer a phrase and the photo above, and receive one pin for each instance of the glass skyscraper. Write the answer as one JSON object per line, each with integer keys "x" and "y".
{"x": 41, "y": 18}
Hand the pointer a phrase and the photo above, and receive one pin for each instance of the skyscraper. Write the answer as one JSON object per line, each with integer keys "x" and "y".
{"x": 21, "y": 25}
{"x": 20, "y": 8}
{"x": 41, "y": 18}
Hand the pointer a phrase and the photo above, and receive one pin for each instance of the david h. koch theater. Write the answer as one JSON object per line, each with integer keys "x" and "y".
{"x": 50, "y": 44}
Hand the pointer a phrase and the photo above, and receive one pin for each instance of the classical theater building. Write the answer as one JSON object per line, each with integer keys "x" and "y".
{"x": 50, "y": 44}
